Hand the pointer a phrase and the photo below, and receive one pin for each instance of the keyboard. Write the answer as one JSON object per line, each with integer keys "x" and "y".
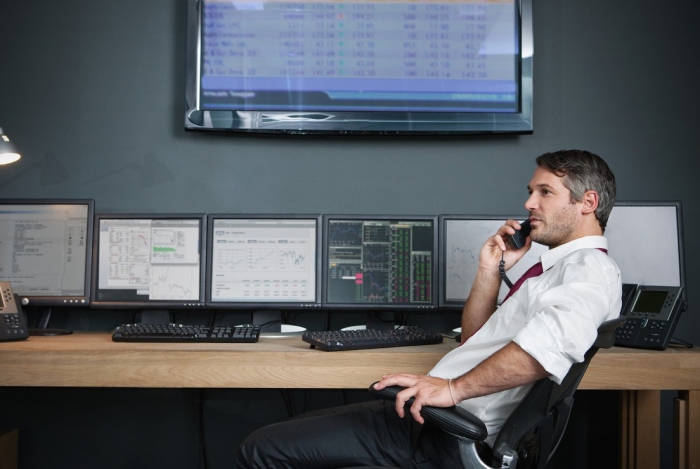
{"x": 185, "y": 333}
{"x": 370, "y": 338}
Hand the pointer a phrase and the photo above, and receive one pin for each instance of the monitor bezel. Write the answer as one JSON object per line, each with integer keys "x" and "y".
{"x": 153, "y": 304}
{"x": 260, "y": 305}
{"x": 679, "y": 227}
{"x": 451, "y": 304}
{"x": 72, "y": 301}
{"x": 365, "y": 122}
{"x": 433, "y": 306}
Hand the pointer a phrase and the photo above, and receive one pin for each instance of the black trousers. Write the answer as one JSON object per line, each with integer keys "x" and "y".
{"x": 366, "y": 434}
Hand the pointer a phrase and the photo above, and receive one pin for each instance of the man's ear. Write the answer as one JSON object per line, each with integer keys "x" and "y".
{"x": 590, "y": 202}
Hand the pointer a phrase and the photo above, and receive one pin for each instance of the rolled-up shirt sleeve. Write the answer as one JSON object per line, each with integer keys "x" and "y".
{"x": 563, "y": 320}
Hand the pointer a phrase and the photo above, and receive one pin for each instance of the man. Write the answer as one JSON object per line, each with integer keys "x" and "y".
{"x": 539, "y": 331}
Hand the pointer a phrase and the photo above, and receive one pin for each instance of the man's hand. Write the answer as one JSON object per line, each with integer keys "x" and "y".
{"x": 508, "y": 368}
{"x": 496, "y": 246}
{"x": 481, "y": 303}
{"x": 425, "y": 389}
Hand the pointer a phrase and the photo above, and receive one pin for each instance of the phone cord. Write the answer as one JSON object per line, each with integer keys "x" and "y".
{"x": 502, "y": 271}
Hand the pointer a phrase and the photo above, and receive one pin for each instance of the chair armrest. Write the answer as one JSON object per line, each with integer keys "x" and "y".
{"x": 606, "y": 332}
{"x": 454, "y": 420}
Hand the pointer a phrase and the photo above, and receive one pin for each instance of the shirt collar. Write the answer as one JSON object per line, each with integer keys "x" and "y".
{"x": 552, "y": 256}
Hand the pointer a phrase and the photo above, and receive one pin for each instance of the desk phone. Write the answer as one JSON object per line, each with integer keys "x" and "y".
{"x": 13, "y": 321}
{"x": 652, "y": 313}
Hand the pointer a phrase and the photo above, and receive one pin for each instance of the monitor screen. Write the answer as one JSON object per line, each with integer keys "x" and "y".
{"x": 363, "y": 66}
{"x": 46, "y": 250}
{"x": 264, "y": 261}
{"x": 646, "y": 241}
{"x": 380, "y": 262}
{"x": 462, "y": 240}
{"x": 149, "y": 261}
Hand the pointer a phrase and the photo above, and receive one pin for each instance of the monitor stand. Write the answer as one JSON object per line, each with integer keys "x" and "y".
{"x": 155, "y": 316}
{"x": 41, "y": 328}
{"x": 269, "y": 319}
{"x": 375, "y": 321}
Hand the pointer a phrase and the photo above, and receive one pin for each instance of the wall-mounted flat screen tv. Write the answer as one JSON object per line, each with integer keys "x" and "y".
{"x": 362, "y": 66}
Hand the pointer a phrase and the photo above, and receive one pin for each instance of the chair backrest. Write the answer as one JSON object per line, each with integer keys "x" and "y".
{"x": 534, "y": 429}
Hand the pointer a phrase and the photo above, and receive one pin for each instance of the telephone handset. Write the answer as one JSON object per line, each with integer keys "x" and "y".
{"x": 652, "y": 313}
{"x": 517, "y": 240}
{"x": 13, "y": 321}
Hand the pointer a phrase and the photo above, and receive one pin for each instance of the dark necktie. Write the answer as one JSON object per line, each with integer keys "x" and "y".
{"x": 533, "y": 271}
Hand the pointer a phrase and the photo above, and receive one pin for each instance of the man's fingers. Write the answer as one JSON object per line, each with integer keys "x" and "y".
{"x": 499, "y": 242}
{"x": 402, "y": 379}
{"x": 415, "y": 411}
{"x": 401, "y": 399}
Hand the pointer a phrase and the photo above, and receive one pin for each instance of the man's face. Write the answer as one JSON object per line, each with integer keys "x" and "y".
{"x": 554, "y": 219}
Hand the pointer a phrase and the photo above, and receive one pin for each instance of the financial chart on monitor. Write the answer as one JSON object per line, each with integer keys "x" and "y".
{"x": 380, "y": 262}
{"x": 464, "y": 239}
{"x": 264, "y": 260}
{"x": 154, "y": 259}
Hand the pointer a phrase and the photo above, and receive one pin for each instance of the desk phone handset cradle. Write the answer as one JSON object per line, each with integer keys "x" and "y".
{"x": 13, "y": 321}
{"x": 652, "y": 313}
{"x": 516, "y": 241}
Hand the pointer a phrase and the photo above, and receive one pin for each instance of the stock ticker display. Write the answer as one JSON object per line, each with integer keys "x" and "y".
{"x": 360, "y": 55}
{"x": 380, "y": 261}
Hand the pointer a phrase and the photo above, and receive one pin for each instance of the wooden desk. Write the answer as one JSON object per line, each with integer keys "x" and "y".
{"x": 93, "y": 360}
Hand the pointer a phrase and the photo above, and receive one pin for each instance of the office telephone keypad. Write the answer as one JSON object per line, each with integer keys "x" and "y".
{"x": 651, "y": 324}
{"x": 12, "y": 325}
{"x": 644, "y": 331}
{"x": 13, "y": 322}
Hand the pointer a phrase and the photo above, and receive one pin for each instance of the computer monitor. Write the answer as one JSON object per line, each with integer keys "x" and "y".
{"x": 46, "y": 250}
{"x": 646, "y": 241}
{"x": 149, "y": 261}
{"x": 375, "y": 262}
{"x": 380, "y": 68}
{"x": 45, "y": 253}
{"x": 264, "y": 261}
{"x": 462, "y": 239}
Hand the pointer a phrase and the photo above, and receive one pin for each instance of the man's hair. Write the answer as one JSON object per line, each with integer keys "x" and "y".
{"x": 584, "y": 171}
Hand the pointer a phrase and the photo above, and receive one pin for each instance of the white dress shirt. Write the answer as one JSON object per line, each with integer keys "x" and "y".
{"x": 553, "y": 317}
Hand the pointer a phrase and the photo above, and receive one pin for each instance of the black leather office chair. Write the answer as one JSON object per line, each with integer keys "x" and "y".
{"x": 533, "y": 431}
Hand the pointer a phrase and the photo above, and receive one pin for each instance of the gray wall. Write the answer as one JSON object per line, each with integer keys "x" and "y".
{"x": 93, "y": 93}
{"x": 97, "y": 90}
